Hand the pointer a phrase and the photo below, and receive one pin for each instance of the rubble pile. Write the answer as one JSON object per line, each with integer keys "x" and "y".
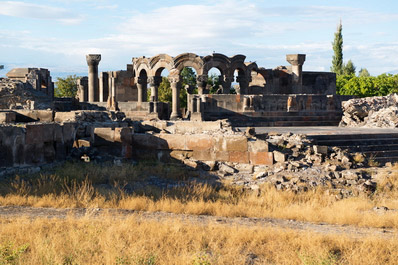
{"x": 372, "y": 112}
{"x": 301, "y": 166}
{"x": 15, "y": 94}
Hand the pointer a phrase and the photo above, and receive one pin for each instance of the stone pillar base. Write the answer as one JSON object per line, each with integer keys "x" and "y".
{"x": 196, "y": 116}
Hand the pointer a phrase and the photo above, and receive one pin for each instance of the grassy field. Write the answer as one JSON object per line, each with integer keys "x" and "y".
{"x": 131, "y": 241}
{"x": 111, "y": 240}
{"x": 81, "y": 185}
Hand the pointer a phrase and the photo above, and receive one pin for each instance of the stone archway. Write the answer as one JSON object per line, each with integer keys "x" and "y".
{"x": 220, "y": 62}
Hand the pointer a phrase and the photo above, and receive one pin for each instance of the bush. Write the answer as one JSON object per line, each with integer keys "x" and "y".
{"x": 367, "y": 86}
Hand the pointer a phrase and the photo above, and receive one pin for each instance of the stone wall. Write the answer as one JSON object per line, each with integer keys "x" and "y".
{"x": 35, "y": 144}
{"x": 228, "y": 104}
{"x": 206, "y": 147}
{"x": 323, "y": 83}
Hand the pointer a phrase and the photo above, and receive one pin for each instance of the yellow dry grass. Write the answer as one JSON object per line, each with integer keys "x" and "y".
{"x": 314, "y": 206}
{"x": 132, "y": 241}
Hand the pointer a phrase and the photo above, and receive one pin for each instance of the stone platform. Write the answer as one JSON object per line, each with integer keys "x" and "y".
{"x": 377, "y": 144}
{"x": 323, "y": 130}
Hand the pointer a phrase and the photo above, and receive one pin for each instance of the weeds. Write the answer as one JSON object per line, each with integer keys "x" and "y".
{"x": 10, "y": 254}
{"x": 74, "y": 189}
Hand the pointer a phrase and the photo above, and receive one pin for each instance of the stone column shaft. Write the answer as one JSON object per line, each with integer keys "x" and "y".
{"x": 92, "y": 62}
{"x": 243, "y": 84}
{"x": 226, "y": 86}
{"x": 141, "y": 87}
{"x": 154, "y": 82}
{"x": 201, "y": 82}
{"x": 175, "y": 110}
{"x": 297, "y": 61}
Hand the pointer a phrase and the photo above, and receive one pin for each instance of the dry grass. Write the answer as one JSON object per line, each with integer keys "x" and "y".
{"x": 81, "y": 188}
{"x": 131, "y": 241}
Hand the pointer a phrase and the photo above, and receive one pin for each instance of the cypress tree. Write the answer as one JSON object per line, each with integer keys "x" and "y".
{"x": 337, "y": 62}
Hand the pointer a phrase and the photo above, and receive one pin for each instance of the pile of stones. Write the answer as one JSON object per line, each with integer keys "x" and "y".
{"x": 15, "y": 94}
{"x": 300, "y": 166}
{"x": 381, "y": 112}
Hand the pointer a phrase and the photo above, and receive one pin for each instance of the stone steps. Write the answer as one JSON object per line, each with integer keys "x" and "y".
{"x": 281, "y": 118}
{"x": 378, "y": 147}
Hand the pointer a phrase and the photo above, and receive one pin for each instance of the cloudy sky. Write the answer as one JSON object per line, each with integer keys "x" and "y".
{"x": 57, "y": 34}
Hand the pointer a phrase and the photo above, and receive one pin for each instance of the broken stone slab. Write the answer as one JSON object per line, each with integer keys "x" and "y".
{"x": 225, "y": 168}
{"x": 320, "y": 149}
{"x": 279, "y": 156}
{"x": 7, "y": 117}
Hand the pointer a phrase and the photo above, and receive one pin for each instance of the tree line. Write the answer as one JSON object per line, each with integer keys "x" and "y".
{"x": 363, "y": 84}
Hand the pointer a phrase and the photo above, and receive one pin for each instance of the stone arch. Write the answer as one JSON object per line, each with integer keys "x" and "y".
{"x": 243, "y": 78}
{"x": 141, "y": 63}
{"x": 159, "y": 62}
{"x": 216, "y": 60}
{"x": 189, "y": 60}
{"x": 238, "y": 62}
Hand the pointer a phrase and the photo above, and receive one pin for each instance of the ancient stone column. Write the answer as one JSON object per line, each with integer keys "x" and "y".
{"x": 227, "y": 84}
{"x": 243, "y": 83}
{"x": 175, "y": 110}
{"x": 297, "y": 61}
{"x": 92, "y": 62}
{"x": 141, "y": 87}
{"x": 83, "y": 89}
{"x": 154, "y": 82}
{"x": 103, "y": 86}
{"x": 201, "y": 82}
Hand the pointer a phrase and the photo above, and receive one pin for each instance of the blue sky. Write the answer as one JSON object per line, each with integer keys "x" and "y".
{"x": 57, "y": 34}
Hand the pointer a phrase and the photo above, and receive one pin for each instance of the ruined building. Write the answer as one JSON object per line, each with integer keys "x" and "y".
{"x": 281, "y": 96}
{"x": 36, "y": 78}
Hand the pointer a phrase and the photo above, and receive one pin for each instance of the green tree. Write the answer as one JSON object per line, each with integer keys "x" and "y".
{"x": 367, "y": 86}
{"x": 164, "y": 91}
{"x": 214, "y": 83}
{"x": 337, "y": 61}
{"x": 349, "y": 68}
{"x": 188, "y": 77}
{"x": 363, "y": 72}
{"x": 66, "y": 87}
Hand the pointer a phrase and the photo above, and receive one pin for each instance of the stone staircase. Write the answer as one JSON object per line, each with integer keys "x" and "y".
{"x": 378, "y": 147}
{"x": 282, "y": 119}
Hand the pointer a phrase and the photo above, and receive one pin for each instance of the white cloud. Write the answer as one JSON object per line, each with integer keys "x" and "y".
{"x": 265, "y": 35}
{"x": 28, "y": 10}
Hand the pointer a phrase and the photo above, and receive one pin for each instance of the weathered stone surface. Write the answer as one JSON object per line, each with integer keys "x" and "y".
{"x": 102, "y": 135}
{"x": 236, "y": 143}
{"x": 261, "y": 158}
{"x": 320, "y": 149}
{"x": 371, "y": 112}
{"x": 174, "y": 141}
{"x": 199, "y": 142}
{"x": 258, "y": 145}
{"x": 7, "y": 117}
{"x": 203, "y": 155}
{"x": 279, "y": 156}
{"x": 220, "y": 155}
{"x": 239, "y": 157}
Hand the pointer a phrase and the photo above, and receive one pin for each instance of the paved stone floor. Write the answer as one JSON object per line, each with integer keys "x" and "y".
{"x": 322, "y": 130}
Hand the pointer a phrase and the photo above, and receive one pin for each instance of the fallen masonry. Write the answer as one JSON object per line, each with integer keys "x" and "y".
{"x": 288, "y": 161}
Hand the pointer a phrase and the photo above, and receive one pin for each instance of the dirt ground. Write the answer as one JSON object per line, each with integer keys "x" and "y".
{"x": 322, "y": 228}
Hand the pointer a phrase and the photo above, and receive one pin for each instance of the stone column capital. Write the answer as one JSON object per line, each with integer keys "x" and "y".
{"x": 295, "y": 59}
{"x": 242, "y": 78}
{"x": 173, "y": 79}
{"x": 154, "y": 80}
{"x": 202, "y": 78}
{"x": 229, "y": 79}
{"x": 142, "y": 80}
{"x": 93, "y": 59}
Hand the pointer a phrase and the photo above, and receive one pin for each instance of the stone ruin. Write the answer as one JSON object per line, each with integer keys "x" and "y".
{"x": 284, "y": 96}
{"x": 27, "y": 88}
{"x": 113, "y": 122}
